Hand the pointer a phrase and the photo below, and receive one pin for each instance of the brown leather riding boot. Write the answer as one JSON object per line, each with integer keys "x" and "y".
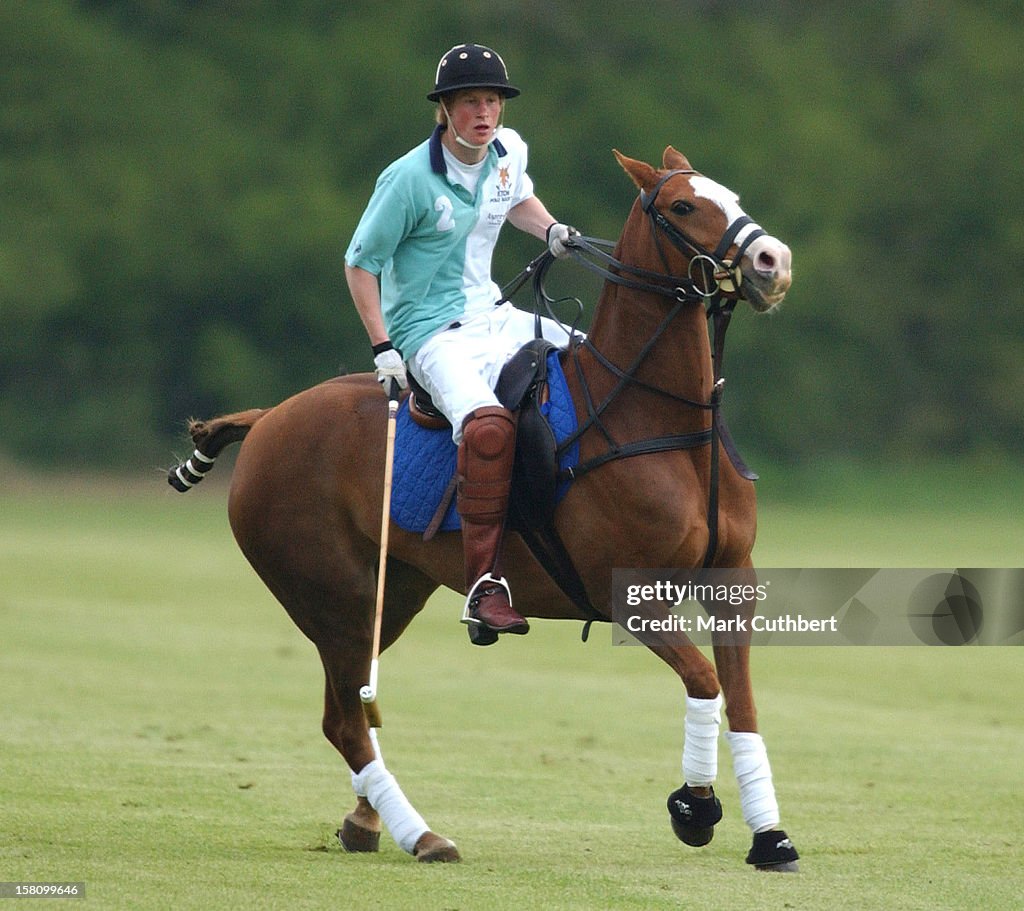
{"x": 484, "y": 470}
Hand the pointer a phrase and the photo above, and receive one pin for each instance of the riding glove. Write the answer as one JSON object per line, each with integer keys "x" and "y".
{"x": 390, "y": 369}
{"x": 558, "y": 236}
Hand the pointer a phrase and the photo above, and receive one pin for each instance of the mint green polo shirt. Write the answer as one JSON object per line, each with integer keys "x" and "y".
{"x": 430, "y": 241}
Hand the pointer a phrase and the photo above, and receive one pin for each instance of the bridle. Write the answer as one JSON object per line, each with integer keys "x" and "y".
{"x": 712, "y": 280}
{"x": 710, "y": 277}
{"x": 725, "y": 274}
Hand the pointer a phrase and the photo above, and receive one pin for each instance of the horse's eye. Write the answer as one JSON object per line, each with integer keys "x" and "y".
{"x": 682, "y": 207}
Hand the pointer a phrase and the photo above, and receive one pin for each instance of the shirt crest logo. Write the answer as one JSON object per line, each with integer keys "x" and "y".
{"x": 503, "y": 188}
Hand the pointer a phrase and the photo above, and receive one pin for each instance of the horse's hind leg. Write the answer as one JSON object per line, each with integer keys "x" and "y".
{"x": 380, "y": 800}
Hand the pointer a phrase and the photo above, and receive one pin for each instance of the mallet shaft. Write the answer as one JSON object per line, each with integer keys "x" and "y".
{"x": 368, "y": 693}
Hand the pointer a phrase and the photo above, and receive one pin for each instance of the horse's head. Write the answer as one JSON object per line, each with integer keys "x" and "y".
{"x": 708, "y": 233}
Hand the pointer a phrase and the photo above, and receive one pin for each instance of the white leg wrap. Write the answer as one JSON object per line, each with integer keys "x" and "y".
{"x": 700, "y": 743}
{"x": 356, "y": 782}
{"x": 379, "y": 787}
{"x": 754, "y": 776}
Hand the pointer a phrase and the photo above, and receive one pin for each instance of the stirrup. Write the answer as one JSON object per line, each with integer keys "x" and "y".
{"x": 467, "y": 618}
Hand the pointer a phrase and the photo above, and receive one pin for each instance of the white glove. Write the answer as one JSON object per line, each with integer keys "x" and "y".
{"x": 390, "y": 369}
{"x": 558, "y": 235}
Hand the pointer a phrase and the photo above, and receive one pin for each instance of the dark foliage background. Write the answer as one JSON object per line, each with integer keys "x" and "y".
{"x": 179, "y": 180}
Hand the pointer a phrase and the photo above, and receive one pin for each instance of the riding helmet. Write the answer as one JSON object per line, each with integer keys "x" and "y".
{"x": 471, "y": 66}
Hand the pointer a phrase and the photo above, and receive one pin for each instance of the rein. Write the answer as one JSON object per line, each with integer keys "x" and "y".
{"x": 710, "y": 279}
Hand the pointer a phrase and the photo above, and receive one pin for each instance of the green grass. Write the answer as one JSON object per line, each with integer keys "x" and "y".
{"x": 850, "y": 514}
{"x": 159, "y": 731}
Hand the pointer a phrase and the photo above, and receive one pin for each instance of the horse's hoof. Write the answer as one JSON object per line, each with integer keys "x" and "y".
{"x": 693, "y": 818}
{"x": 433, "y": 849}
{"x": 693, "y": 836}
{"x": 791, "y": 867}
{"x": 773, "y": 852}
{"x": 357, "y": 839}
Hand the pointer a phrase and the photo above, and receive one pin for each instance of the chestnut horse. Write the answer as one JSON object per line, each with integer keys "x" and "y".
{"x": 305, "y": 503}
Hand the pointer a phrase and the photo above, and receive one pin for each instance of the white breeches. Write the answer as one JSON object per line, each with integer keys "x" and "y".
{"x": 459, "y": 367}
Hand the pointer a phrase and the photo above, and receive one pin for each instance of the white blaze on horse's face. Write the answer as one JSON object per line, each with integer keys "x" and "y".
{"x": 767, "y": 263}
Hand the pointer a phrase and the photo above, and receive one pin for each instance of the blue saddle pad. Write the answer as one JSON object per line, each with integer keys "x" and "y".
{"x": 425, "y": 459}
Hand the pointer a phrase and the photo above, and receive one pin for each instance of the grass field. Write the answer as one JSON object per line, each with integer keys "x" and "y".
{"x": 159, "y": 729}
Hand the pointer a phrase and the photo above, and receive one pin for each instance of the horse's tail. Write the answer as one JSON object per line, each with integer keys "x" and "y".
{"x": 210, "y": 438}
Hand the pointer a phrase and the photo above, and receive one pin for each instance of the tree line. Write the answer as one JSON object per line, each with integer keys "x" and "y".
{"x": 179, "y": 181}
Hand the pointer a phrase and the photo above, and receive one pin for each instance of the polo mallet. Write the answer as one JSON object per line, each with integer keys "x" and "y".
{"x": 368, "y": 693}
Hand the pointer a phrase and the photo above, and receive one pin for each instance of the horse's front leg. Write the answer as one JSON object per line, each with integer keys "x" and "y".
{"x": 693, "y": 809}
{"x": 772, "y": 848}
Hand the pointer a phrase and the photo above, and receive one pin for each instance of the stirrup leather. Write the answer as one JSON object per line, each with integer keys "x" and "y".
{"x": 467, "y": 618}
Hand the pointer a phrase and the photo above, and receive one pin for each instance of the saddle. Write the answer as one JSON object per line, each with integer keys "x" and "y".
{"x": 523, "y": 389}
{"x": 532, "y": 386}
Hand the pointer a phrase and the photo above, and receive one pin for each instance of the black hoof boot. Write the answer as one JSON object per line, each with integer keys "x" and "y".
{"x": 693, "y": 818}
{"x": 773, "y": 852}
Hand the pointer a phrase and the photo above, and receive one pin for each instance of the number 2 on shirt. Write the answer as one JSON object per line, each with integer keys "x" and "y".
{"x": 444, "y": 205}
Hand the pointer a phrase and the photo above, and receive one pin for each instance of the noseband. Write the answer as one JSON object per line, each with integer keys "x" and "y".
{"x": 725, "y": 275}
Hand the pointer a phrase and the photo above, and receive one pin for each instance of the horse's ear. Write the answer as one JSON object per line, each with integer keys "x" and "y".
{"x": 643, "y": 174}
{"x": 674, "y": 161}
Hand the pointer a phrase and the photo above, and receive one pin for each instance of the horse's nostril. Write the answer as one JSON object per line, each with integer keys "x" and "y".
{"x": 765, "y": 262}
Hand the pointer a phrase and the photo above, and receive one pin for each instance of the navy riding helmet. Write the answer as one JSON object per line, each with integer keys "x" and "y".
{"x": 471, "y": 66}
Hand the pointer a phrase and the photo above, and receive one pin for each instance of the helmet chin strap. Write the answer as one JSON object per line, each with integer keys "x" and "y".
{"x": 465, "y": 143}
